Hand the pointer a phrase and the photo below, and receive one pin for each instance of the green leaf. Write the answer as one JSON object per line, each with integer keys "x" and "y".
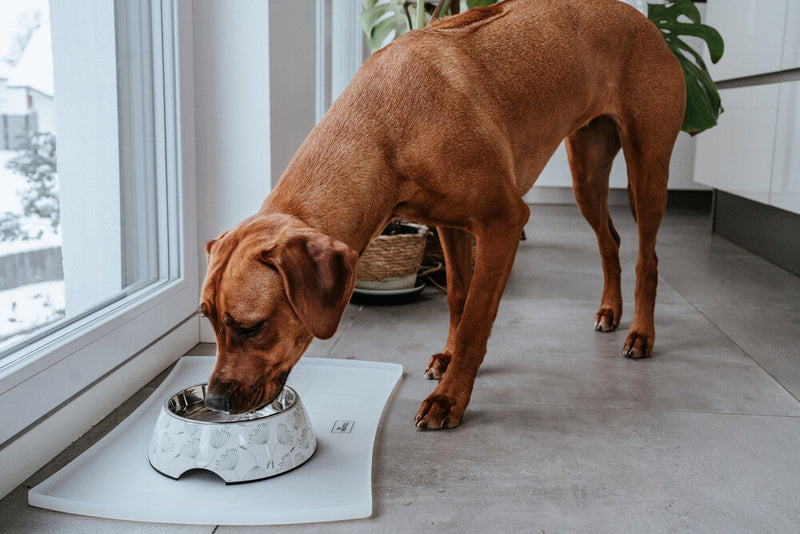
{"x": 703, "y": 103}
{"x": 384, "y": 28}
{"x": 700, "y": 112}
{"x": 369, "y": 17}
{"x": 685, "y": 8}
{"x": 480, "y": 3}
{"x": 379, "y": 20}
{"x": 711, "y": 36}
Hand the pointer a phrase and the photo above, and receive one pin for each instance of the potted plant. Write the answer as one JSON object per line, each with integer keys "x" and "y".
{"x": 675, "y": 19}
{"x": 392, "y": 260}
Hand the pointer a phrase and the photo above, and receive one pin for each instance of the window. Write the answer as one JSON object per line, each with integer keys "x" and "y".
{"x": 107, "y": 262}
{"x": 340, "y": 49}
{"x": 31, "y": 289}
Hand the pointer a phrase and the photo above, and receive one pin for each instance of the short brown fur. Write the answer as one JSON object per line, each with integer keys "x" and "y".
{"x": 450, "y": 126}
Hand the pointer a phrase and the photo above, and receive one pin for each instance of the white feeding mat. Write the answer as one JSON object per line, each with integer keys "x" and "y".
{"x": 344, "y": 400}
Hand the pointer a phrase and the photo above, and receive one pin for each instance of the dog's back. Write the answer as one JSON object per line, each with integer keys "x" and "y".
{"x": 529, "y": 71}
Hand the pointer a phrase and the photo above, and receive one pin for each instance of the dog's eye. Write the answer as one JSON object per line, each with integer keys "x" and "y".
{"x": 248, "y": 332}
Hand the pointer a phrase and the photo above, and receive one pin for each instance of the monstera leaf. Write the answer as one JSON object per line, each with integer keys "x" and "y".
{"x": 703, "y": 103}
{"x": 379, "y": 20}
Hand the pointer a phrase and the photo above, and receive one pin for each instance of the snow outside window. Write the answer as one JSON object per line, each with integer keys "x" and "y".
{"x": 92, "y": 215}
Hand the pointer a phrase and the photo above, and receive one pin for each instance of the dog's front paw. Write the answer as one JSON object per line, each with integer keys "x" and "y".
{"x": 437, "y": 366}
{"x": 606, "y": 319}
{"x": 439, "y": 411}
{"x": 638, "y": 345}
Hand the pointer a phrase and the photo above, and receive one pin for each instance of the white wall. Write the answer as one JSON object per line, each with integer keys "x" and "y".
{"x": 15, "y": 100}
{"x": 232, "y": 114}
{"x": 292, "y": 78}
{"x": 243, "y": 143}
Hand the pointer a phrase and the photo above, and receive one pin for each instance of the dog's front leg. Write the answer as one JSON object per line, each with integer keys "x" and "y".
{"x": 457, "y": 248}
{"x": 496, "y": 249}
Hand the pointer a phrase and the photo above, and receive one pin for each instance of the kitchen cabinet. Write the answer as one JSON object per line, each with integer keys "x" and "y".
{"x": 785, "y": 187}
{"x": 753, "y": 31}
{"x": 754, "y": 151}
{"x": 791, "y": 43}
{"x": 737, "y": 154}
{"x": 557, "y": 173}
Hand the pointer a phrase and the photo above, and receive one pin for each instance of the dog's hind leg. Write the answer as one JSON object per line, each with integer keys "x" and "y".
{"x": 591, "y": 151}
{"x": 647, "y": 143}
{"x": 648, "y": 172}
{"x": 457, "y": 247}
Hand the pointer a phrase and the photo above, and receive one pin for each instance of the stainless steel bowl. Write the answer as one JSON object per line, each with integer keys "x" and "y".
{"x": 237, "y": 447}
{"x": 189, "y": 405}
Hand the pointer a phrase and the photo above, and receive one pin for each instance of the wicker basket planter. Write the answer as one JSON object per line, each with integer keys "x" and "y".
{"x": 433, "y": 249}
{"x": 391, "y": 262}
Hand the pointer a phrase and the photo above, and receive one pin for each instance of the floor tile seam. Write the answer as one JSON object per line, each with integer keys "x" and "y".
{"x": 629, "y": 408}
{"x": 737, "y": 345}
{"x": 790, "y": 306}
{"x": 582, "y": 301}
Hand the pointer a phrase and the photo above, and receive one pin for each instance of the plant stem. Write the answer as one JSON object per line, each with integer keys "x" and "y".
{"x": 408, "y": 15}
{"x": 420, "y": 13}
{"x": 441, "y": 9}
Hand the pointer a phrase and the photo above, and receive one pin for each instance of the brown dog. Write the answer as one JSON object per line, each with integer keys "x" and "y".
{"x": 450, "y": 126}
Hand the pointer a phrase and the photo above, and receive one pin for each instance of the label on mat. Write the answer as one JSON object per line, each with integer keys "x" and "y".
{"x": 342, "y": 427}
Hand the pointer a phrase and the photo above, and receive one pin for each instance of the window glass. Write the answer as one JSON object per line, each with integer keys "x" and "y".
{"x": 79, "y": 187}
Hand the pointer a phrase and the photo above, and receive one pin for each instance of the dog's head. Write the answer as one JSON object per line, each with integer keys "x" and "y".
{"x": 272, "y": 285}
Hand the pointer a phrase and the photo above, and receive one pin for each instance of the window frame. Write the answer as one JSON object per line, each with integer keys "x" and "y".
{"x": 60, "y": 367}
{"x": 340, "y": 50}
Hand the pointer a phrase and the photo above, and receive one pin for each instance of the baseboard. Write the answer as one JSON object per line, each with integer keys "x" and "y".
{"x": 206, "y": 331}
{"x": 767, "y": 231}
{"x": 701, "y": 200}
{"x": 43, "y": 441}
{"x": 680, "y": 199}
{"x": 564, "y": 195}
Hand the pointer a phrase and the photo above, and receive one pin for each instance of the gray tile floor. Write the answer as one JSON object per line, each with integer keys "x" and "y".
{"x": 563, "y": 434}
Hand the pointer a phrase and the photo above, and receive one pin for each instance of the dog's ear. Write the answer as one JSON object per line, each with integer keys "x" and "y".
{"x": 319, "y": 274}
{"x": 210, "y": 244}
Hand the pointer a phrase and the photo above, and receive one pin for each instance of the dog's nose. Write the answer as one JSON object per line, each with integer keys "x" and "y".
{"x": 218, "y": 402}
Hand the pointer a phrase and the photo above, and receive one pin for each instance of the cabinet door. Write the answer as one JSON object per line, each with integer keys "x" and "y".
{"x": 753, "y": 33}
{"x": 786, "y": 168}
{"x": 791, "y": 41}
{"x": 558, "y": 174}
{"x": 736, "y": 155}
